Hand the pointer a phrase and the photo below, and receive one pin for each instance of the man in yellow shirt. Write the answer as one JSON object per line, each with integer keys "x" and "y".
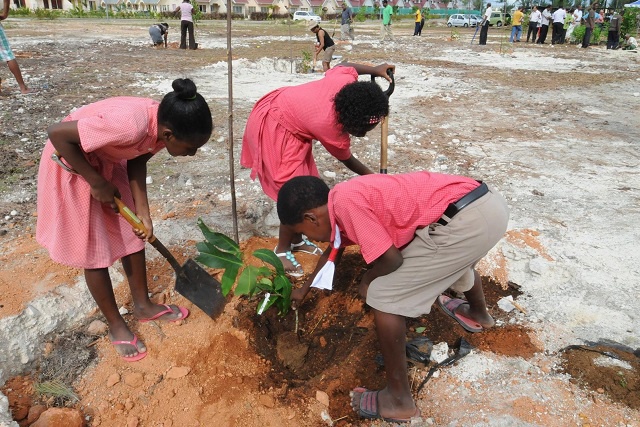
{"x": 516, "y": 25}
{"x": 416, "y": 31}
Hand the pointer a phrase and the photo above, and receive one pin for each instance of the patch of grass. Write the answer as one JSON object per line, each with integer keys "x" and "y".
{"x": 57, "y": 390}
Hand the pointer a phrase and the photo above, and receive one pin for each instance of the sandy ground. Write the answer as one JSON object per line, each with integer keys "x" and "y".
{"x": 553, "y": 128}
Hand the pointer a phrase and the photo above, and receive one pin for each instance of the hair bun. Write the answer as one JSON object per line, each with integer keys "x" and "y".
{"x": 185, "y": 89}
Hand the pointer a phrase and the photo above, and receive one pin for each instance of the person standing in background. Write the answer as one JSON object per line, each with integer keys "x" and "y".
{"x": 387, "y": 11}
{"x": 558, "y": 25}
{"x": 416, "y": 30}
{"x": 516, "y": 26}
{"x": 544, "y": 27}
{"x": 346, "y": 31}
{"x": 614, "y": 31}
{"x": 186, "y": 24}
{"x": 576, "y": 18}
{"x": 484, "y": 32}
{"x": 590, "y": 21}
{"x": 6, "y": 54}
{"x": 534, "y": 20}
{"x": 324, "y": 42}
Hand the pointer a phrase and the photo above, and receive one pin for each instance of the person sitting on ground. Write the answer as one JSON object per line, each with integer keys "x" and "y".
{"x": 630, "y": 43}
{"x": 422, "y": 233}
{"x": 324, "y": 42}
{"x": 100, "y": 152}
{"x": 159, "y": 33}
{"x": 278, "y": 138}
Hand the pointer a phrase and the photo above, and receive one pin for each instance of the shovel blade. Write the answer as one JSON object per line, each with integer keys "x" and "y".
{"x": 196, "y": 285}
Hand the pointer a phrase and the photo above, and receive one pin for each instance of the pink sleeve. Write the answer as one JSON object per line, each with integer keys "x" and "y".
{"x": 360, "y": 224}
{"x": 113, "y": 128}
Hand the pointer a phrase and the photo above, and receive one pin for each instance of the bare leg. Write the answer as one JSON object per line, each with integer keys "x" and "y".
{"x": 477, "y": 307}
{"x": 395, "y": 400}
{"x": 136, "y": 270}
{"x": 326, "y": 66}
{"x": 99, "y": 284}
{"x": 15, "y": 70}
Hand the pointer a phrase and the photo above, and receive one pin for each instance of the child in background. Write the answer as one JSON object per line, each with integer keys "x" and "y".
{"x": 422, "y": 233}
{"x": 277, "y": 141}
{"x": 106, "y": 146}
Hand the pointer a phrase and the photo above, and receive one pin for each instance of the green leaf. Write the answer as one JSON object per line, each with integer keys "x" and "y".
{"x": 265, "y": 285}
{"x": 271, "y": 258}
{"x": 229, "y": 278}
{"x": 284, "y": 287}
{"x": 219, "y": 259}
{"x": 247, "y": 281}
{"x": 219, "y": 240}
{"x": 265, "y": 272}
{"x": 420, "y": 329}
{"x": 281, "y": 282}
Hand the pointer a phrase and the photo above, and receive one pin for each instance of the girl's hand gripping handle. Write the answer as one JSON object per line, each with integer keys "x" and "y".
{"x": 132, "y": 218}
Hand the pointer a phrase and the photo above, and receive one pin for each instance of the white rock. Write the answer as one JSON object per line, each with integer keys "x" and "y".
{"x": 14, "y": 213}
{"x": 149, "y": 180}
{"x": 538, "y": 266}
{"x": 455, "y": 140}
{"x": 440, "y": 352}
{"x": 123, "y": 311}
{"x": 506, "y": 304}
{"x": 329, "y": 174}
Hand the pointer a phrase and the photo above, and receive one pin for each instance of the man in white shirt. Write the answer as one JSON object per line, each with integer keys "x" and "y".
{"x": 558, "y": 24}
{"x": 576, "y": 18}
{"x": 544, "y": 28}
{"x": 534, "y": 20}
{"x": 485, "y": 25}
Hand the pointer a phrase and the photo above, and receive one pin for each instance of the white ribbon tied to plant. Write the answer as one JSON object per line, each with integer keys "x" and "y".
{"x": 324, "y": 278}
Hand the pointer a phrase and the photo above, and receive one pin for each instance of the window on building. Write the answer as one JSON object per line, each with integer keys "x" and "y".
{"x": 264, "y": 9}
{"x": 203, "y": 8}
{"x": 56, "y": 4}
{"x": 252, "y": 9}
{"x": 237, "y": 10}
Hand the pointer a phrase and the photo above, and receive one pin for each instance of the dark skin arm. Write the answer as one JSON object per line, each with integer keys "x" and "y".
{"x": 386, "y": 263}
{"x": 66, "y": 140}
{"x": 377, "y": 71}
{"x": 356, "y": 166}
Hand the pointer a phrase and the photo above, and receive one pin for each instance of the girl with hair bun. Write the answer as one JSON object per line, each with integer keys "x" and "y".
{"x": 101, "y": 152}
{"x": 277, "y": 141}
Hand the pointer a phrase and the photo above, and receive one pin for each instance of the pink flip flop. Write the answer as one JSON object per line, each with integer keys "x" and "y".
{"x": 184, "y": 311}
{"x": 133, "y": 342}
{"x": 449, "y": 305}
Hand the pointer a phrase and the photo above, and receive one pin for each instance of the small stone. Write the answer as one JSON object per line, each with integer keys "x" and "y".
{"x": 329, "y": 174}
{"x": 133, "y": 379}
{"x": 113, "y": 379}
{"x": 128, "y": 404}
{"x": 455, "y": 140}
{"x": 506, "y": 304}
{"x": 97, "y": 327}
{"x": 34, "y": 413}
{"x": 322, "y": 397}
{"x": 323, "y": 341}
{"x": 600, "y": 390}
{"x": 440, "y": 352}
{"x": 149, "y": 180}
{"x": 60, "y": 417}
{"x": 123, "y": 310}
{"x": 132, "y": 421}
{"x": 267, "y": 401}
{"x": 14, "y": 213}
{"x": 177, "y": 372}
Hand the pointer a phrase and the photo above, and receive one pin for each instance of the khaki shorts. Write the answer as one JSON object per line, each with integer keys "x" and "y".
{"x": 328, "y": 54}
{"x": 441, "y": 257}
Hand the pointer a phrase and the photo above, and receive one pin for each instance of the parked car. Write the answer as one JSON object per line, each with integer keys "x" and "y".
{"x": 300, "y": 15}
{"x": 475, "y": 20}
{"x": 499, "y": 19}
{"x": 461, "y": 20}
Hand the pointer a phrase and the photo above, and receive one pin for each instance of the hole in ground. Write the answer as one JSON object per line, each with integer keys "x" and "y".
{"x": 335, "y": 348}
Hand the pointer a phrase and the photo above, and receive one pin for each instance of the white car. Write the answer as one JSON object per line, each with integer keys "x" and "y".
{"x": 305, "y": 15}
{"x": 461, "y": 20}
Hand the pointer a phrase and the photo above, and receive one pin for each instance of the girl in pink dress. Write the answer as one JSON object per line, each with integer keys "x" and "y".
{"x": 277, "y": 141}
{"x": 106, "y": 146}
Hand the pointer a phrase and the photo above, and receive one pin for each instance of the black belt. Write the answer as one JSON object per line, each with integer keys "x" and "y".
{"x": 453, "y": 208}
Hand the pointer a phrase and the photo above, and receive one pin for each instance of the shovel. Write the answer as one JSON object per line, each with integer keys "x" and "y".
{"x": 384, "y": 125}
{"x": 192, "y": 281}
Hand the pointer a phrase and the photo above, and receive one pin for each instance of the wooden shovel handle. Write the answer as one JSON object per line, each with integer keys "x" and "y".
{"x": 132, "y": 218}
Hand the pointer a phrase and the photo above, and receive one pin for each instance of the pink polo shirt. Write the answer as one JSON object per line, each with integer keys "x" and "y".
{"x": 377, "y": 211}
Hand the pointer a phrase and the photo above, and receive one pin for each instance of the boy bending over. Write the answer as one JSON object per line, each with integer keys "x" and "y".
{"x": 422, "y": 233}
